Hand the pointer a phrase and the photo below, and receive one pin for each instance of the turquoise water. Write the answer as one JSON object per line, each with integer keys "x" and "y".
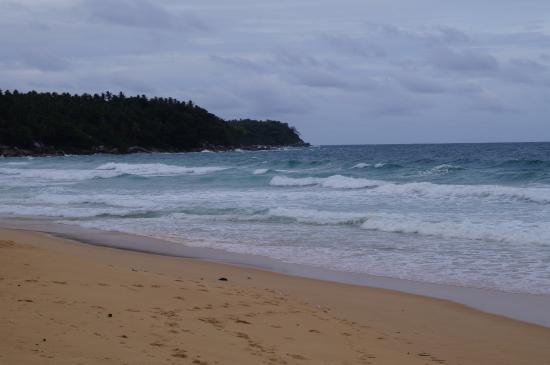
{"x": 465, "y": 214}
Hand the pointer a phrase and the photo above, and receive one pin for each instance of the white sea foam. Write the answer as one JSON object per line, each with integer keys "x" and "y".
{"x": 109, "y": 170}
{"x": 57, "y": 175}
{"x": 289, "y": 181}
{"x": 533, "y": 194}
{"x": 108, "y": 200}
{"x": 425, "y": 189}
{"x": 334, "y": 182}
{"x": 447, "y": 167}
{"x": 260, "y": 171}
{"x": 312, "y": 216}
{"x": 379, "y": 165}
{"x": 345, "y": 182}
{"x": 157, "y": 169}
{"x": 361, "y": 165}
{"x": 509, "y": 231}
{"x": 66, "y": 212}
{"x": 442, "y": 169}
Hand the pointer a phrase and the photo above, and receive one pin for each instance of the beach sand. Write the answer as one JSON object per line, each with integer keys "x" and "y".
{"x": 64, "y": 302}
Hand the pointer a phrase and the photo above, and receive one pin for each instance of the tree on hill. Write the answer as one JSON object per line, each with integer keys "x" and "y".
{"x": 86, "y": 123}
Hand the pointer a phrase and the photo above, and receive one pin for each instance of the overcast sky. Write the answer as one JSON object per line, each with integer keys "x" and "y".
{"x": 348, "y": 71}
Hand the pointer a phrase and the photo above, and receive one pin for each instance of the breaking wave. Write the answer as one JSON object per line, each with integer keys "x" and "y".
{"x": 534, "y": 194}
{"x": 514, "y": 232}
{"x": 157, "y": 169}
{"x": 334, "y": 182}
{"x": 260, "y": 171}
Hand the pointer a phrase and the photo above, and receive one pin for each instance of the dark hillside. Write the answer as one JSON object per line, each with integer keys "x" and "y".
{"x": 51, "y": 123}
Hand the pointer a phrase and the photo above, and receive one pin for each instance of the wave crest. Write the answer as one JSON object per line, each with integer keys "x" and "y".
{"x": 158, "y": 169}
{"x": 334, "y": 182}
{"x": 539, "y": 195}
{"x": 508, "y": 232}
{"x": 260, "y": 171}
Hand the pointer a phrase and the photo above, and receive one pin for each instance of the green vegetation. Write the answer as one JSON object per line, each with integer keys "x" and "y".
{"x": 50, "y": 123}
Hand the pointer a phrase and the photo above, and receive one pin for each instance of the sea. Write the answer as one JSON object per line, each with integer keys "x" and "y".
{"x": 472, "y": 215}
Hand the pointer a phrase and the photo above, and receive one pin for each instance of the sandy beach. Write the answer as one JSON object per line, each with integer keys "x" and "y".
{"x": 65, "y": 302}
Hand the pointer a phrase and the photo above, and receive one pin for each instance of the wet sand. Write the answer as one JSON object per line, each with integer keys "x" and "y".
{"x": 65, "y": 302}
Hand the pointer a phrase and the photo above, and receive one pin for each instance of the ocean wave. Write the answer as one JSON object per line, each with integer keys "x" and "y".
{"x": 289, "y": 181}
{"x": 510, "y": 231}
{"x": 104, "y": 200}
{"x": 312, "y": 216}
{"x": 524, "y": 163}
{"x": 386, "y": 165}
{"x": 334, "y": 182}
{"x": 442, "y": 169}
{"x": 74, "y": 212}
{"x": 361, "y": 165}
{"x": 531, "y": 194}
{"x": 447, "y": 167}
{"x": 105, "y": 171}
{"x": 540, "y": 195}
{"x": 20, "y": 163}
{"x": 158, "y": 169}
{"x": 260, "y": 171}
{"x": 57, "y": 175}
{"x": 275, "y": 215}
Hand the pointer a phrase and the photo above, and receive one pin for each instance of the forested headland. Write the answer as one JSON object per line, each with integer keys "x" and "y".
{"x": 46, "y": 123}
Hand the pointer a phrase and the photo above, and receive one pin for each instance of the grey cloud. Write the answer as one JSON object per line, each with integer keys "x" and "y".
{"x": 36, "y": 60}
{"x": 314, "y": 78}
{"x": 425, "y": 35}
{"x": 397, "y": 108}
{"x": 527, "y": 71}
{"x": 466, "y": 60}
{"x": 360, "y": 47}
{"x": 269, "y": 97}
{"x": 489, "y": 105}
{"x": 421, "y": 85}
{"x": 239, "y": 63}
{"x": 449, "y": 35}
{"x": 345, "y": 68}
{"x": 141, "y": 14}
{"x": 294, "y": 59}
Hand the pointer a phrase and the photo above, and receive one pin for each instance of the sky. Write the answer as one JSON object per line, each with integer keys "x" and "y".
{"x": 342, "y": 72}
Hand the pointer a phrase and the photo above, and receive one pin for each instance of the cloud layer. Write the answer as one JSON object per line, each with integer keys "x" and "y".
{"x": 352, "y": 72}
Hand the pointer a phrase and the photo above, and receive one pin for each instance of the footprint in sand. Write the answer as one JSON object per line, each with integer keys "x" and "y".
{"x": 243, "y": 335}
{"x": 181, "y": 353}
{"x": 297, "y": 356}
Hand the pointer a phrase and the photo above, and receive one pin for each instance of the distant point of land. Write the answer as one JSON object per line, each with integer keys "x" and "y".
{"x": 46, "y": 123}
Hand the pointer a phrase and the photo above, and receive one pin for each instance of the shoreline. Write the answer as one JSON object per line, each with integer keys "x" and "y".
{"x": 11, "y": 151}
{"x": 61, "y": 277}
{"x": 529, "y": 308}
